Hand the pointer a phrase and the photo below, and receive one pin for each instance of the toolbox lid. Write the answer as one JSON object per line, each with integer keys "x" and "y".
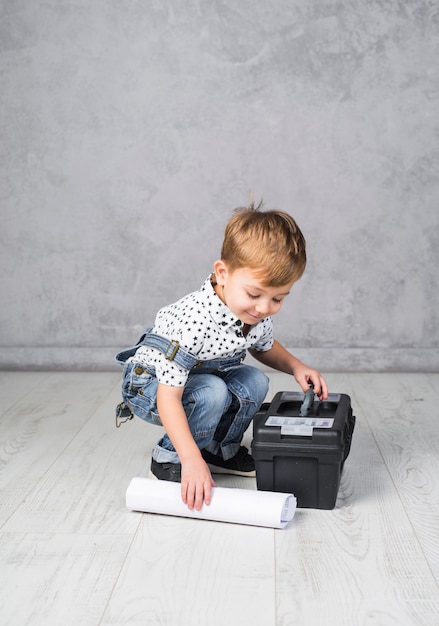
{"x": 324, "y": 428}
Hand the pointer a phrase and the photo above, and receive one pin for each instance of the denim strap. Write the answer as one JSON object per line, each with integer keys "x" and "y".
{"x": 172, "y": 350}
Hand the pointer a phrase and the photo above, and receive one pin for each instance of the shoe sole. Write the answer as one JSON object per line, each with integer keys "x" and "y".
{"x": 217, "y": 469}
{"x": 154, "y": 477}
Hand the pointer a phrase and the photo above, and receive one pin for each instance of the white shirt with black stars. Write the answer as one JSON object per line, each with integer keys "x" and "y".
{"x": 205, "y": 326}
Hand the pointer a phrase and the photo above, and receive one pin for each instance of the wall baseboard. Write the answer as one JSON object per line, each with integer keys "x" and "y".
{"x": 324, "y": 359}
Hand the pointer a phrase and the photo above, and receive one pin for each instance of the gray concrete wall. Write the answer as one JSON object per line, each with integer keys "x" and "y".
{"x": 131, "y": 129}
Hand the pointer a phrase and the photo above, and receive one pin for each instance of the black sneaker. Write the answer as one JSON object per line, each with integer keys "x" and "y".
{"x": 242, "y": 464}
{"x": 166, "y": 471}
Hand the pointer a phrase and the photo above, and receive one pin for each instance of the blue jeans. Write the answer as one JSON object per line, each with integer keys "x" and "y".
{"x": 220, "y": 399}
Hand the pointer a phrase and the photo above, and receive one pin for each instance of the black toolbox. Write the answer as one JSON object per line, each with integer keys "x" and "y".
{"x": 301, "y": 450}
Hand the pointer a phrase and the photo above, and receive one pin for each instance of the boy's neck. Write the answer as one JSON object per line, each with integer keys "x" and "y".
{"x": 217, "y": 289}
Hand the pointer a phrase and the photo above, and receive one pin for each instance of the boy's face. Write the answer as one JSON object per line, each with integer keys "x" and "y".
{"x": 246, "y": 296}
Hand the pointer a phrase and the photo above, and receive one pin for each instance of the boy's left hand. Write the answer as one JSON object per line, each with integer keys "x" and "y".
{"x": 305, "y": 375}
{"x": 280, "y": 359}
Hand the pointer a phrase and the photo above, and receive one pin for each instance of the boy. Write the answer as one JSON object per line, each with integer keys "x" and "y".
{"x": 187, "y": 374}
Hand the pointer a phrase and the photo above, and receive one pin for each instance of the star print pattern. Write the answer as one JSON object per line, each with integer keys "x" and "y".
{"x": 206, "y": 327}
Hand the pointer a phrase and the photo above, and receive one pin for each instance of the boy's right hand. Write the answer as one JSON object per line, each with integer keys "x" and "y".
{"x": 196, "y": 479}
{"x": 196, "y": 483}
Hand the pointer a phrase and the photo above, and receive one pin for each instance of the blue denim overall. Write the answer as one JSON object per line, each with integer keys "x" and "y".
{"x": 220, "y": 397}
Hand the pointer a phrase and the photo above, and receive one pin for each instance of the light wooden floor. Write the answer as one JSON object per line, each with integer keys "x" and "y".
{"x": 71, "y": 554}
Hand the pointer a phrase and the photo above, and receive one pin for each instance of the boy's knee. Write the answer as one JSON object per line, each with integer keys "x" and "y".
{"x": 251, "y": 383}
{"x": 261, "y": 383}
{"x": 209, "y": 391}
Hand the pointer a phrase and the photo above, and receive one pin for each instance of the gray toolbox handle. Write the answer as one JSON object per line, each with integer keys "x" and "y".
{"x": 308, "y": 401}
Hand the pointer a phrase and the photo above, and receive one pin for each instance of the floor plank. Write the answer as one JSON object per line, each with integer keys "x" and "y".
{"x": 37, "y": 428}
{"x": 196, "y": 572}
{"x": 53, "y": 579}
{"x": 70, "y": 553}
{"x": 15, "y": 385}
{"x": 404, "y": 416}
{"x": 83, "y": 490}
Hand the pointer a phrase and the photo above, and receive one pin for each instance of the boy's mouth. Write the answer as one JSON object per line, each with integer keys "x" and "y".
{"x": 254, "y": 317}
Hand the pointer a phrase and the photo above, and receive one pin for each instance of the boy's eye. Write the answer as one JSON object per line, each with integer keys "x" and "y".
{"x": 277, "y": 300}
{"x": 252, "y": 295}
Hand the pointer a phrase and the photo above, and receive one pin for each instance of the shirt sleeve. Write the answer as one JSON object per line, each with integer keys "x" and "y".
{"x": 169, "y": 373}
{"x": 184, "y": 326}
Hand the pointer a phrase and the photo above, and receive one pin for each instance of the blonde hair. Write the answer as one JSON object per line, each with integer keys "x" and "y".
{"x": 268, "y": 242}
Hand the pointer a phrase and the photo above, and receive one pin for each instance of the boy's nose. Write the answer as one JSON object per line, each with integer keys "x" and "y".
{"x": 263, "y": 308}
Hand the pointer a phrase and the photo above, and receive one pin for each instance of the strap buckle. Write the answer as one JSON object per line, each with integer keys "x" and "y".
{"x": 172, "y": 349}
{"x": 123, "y": 414}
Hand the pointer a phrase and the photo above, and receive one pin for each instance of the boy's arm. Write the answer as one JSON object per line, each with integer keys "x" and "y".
{"x": 196, "y": 479}
{"x": 280, "y": 359}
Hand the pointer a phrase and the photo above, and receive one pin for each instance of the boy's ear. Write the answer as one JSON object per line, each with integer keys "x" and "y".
{"x": 221, "y": 271}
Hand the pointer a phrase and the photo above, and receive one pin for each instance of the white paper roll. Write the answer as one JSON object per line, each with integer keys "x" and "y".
{"x": 239, "y": 506}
